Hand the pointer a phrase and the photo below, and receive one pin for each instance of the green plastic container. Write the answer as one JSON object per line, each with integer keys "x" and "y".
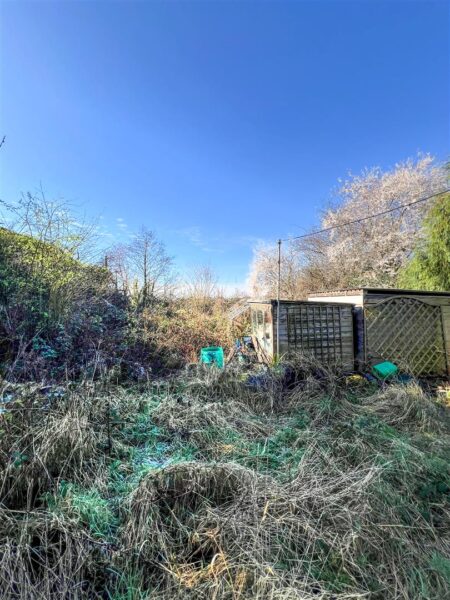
{"x": 212, "y": 356}
{"x": 385, "y": 369}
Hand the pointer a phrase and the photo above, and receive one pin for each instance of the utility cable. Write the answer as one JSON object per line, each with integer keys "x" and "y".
{"x": 384, "y": 212}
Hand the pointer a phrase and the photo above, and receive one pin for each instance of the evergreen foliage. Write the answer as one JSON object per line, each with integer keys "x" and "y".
{"x": 429, "y": 266}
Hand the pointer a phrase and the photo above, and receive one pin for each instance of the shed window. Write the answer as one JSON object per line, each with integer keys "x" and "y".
{"x": 260, "y": 317}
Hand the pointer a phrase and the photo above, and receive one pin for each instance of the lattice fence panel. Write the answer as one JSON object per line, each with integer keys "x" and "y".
{"x": 407, "y": 332}
{"x": 316, "y": 330}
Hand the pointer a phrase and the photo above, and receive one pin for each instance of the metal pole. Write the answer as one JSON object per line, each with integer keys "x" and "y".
{"x": 278, "y": 299}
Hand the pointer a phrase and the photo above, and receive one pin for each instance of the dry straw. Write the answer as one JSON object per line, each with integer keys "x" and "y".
{"x": 215, "y": 486}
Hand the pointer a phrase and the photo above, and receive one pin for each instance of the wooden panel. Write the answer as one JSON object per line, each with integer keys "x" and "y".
{"x": 322, "y": 329}
{"x": 408, "y": 332}
{"x": 446, "y": 325}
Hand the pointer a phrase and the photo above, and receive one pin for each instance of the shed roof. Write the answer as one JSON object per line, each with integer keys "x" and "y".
{"x": 394, "y": 291}
{"x": 274, "y": 302}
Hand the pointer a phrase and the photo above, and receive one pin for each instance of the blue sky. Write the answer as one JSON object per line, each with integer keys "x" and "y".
{"x": 217, "y": 124}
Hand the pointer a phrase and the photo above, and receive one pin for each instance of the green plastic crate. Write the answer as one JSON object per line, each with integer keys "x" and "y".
{"x": 213, "y": 355}
{"x": 385, "y": 369}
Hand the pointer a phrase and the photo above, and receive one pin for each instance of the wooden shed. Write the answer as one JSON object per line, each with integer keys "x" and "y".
{"x": 324, "y": 330}
{"x": 411, "y": 328}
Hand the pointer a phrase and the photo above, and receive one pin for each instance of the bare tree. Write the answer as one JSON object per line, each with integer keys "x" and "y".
{"x": 116, "y": 260}
{"x": 263, "y": 278}
{"x": 142, "y": 267}
{"x": 371, "y": 252}
{"x": 50, "y": 222}
{"x": 202, "y": 288}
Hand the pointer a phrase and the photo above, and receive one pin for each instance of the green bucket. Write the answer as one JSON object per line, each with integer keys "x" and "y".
{"x": 212, "y": 356}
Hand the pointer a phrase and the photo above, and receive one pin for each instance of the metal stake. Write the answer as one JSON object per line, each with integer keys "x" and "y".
{"x": 278, "y": 299}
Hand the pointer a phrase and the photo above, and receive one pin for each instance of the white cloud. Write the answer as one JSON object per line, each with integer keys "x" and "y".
{"x": 192, "y": 234}
{"x": 219, "y": 243}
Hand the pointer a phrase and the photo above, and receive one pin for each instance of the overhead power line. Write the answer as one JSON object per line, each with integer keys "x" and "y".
{"x": 384, "y": 212}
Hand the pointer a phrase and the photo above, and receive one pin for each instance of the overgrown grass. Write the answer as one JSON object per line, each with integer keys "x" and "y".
{"x": 208, "y": 487}
{"x": 86, "y": 506}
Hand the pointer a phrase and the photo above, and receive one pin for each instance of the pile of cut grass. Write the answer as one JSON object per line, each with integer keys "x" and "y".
{"x": 206, "y": 487}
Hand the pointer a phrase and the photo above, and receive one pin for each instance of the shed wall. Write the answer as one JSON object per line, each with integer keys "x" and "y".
{"x": 307, "y": 329}
{"x": 358, "y": 321}
{"x": 365, "y": 353}
{"x": 321, "y": 329}
{"x": 417, "y": 338}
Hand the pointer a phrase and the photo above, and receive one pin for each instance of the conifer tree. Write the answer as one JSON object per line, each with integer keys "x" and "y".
{"x": 429, "y": 266}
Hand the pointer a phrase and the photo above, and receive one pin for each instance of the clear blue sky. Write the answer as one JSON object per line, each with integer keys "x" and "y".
{"x": 216, "y": 123}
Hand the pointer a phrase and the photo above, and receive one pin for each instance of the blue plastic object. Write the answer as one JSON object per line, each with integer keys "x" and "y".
{"x": 385, "y": 369}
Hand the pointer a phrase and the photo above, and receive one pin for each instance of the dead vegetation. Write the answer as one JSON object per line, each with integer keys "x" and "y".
{"x": 225, "y": 485}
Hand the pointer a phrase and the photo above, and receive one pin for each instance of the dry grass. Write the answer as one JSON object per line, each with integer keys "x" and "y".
{"x": 42, "y": 444}
{"x": 46, "y": 558}
{"x": 209, "y": 487}
{"x": 408, "y": 407}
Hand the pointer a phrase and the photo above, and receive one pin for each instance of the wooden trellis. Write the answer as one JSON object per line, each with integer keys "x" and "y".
{"x": 407, "y": 332}
{"x": 316, "y": 330}
{"x": 324, "y": 331}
